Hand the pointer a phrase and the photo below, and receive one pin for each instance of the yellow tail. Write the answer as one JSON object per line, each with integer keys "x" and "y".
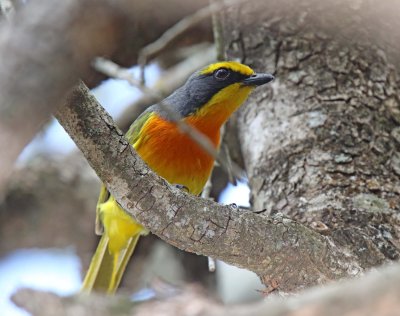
{"x": 119, "y": 238}
{"x": 106, "y": 269}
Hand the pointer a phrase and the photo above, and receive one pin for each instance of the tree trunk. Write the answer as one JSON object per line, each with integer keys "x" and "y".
{"x": 322, "y": 145}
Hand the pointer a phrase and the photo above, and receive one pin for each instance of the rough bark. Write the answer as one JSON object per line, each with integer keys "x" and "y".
{"x": 329, "y": 153}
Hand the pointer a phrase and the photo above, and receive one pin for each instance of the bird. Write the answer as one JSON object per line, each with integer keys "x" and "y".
{"x": 206, "y": 101}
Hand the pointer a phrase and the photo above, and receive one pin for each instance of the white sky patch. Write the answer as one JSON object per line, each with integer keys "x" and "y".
{"x": 56, "y": 270}
{"x": 237, "y": 285}
{"x": 228, "y": 276}
{"x": 115, "y": 94}
{"x": 239, "y": 194}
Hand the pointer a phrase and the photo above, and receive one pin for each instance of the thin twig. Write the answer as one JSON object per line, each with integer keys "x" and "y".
{"x": 211, "y": 264}
{"x": 169, "y": 81}
{"x": 6, "y": 9}
{"x": 217, "y": 31}
{"x": 178, "y": 29}
{"x": 224, "y": 152}
{"x": 111, "y": 69}
{"x": 220, "y": 52}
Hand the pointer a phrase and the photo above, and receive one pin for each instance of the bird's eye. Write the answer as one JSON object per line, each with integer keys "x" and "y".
{"x": 221, "y": 74}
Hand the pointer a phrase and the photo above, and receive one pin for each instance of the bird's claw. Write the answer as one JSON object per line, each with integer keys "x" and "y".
{"x": 181, "y": 187}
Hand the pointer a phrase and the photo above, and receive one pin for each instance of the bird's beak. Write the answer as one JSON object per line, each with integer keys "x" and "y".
{"x": 258, "y": 79}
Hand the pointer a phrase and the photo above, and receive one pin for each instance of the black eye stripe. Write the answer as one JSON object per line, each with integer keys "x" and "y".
{"x": 199, "y": 89}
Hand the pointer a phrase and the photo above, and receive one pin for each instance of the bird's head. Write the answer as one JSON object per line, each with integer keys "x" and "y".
{"x": 218, "y": 89}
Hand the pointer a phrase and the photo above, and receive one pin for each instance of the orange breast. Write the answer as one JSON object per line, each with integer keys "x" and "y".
{"x": 175, "y": 156}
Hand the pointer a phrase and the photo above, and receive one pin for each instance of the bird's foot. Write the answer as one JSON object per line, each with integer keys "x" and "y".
{"x": 181, "y": 187}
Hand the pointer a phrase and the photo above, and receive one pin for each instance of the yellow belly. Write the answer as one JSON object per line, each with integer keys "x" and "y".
{"x": 119, "y": 225}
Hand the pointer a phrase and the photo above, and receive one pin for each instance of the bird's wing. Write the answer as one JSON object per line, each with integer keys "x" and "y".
{"x": 133, "y": 133}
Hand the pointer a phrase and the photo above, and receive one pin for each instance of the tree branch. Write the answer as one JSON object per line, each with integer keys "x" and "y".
{"x": 258, "y": 243}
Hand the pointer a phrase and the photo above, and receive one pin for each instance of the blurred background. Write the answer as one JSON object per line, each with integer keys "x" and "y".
{"x": 327, "y": 141}
{"x": 48, "y": 210}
